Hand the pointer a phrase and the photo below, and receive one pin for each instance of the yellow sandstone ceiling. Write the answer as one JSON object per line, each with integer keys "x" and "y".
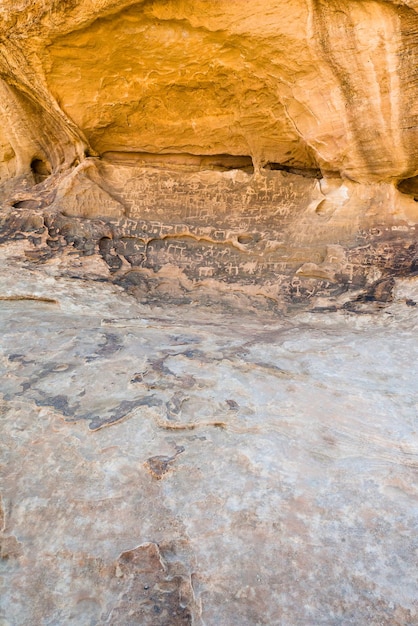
{"x": 302, "y": 83}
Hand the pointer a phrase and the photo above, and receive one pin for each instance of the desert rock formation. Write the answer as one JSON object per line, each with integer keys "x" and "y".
{"x": 267, "y": 149}
{"x": 167, "y": 466}
{"x": 250, "y": 461}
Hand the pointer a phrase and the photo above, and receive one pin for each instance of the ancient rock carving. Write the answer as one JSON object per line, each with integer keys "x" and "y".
{"x": 213, "y": 147}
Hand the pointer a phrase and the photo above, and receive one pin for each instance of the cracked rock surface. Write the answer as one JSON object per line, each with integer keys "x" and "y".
{"x": 164, "y": 467}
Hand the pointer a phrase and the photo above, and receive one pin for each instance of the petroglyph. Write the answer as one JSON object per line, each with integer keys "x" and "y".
{"x": 184, "y": 232}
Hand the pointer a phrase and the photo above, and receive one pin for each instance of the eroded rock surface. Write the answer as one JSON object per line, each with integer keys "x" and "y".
{"x": 303, "y": 82}
{"x": 208, "y": 220}
{"x": 274, "y": 240}
{"x": 164, "y": 467}
{"x": 266, "y": 149}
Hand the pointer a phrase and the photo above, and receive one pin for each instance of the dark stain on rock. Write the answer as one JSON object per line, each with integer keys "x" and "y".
{"x": 19, "y": 358}
{"x": 187, "y": 381}
{"x": 112, "y": 343}
{"x": 60, "y": 403}
{"x": 194, "y": 354}
{"x": 158, "y": 465}
{"x": 121, "y": 412}
{"x": 184, "y": 339}
{"x": 108, "y": 252}
{"x": 155, "y": 590}
{"x": 174, "y": 405}
{"x": 159, "y": 366}
{"x": 380, "y": 291}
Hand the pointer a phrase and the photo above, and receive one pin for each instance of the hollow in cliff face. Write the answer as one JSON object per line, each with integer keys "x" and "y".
{"x": 263, "y": 152}
{"x": 208, "y": 215}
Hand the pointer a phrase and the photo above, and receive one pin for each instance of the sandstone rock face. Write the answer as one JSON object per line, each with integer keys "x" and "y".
{"x": 303, "y": 83}
{"x": 250, "y": 461}
{"x": 265, "y": 148}
{"x": 171, "y": 466}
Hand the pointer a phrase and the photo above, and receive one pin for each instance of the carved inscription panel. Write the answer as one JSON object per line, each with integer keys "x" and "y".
{"x": 262, "y": 230}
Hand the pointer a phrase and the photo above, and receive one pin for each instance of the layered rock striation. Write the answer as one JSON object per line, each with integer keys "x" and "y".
{"x": 266, "y": 148}
{"x": 247, "y": 462}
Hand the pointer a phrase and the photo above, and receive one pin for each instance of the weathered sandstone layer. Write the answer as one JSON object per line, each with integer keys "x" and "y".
{"x": 175, "y": 466}
{"x": 252, "y": 461}
{"x": 266, "y": 149}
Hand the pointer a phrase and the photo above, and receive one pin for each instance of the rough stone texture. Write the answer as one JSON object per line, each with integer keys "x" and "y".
{"x": 273, "y": 240}
{"x": 304, "y": 82}
{"x": 263, "y": 148}
{"x": 164, "y": 467}
{"x": 208, "y": 214}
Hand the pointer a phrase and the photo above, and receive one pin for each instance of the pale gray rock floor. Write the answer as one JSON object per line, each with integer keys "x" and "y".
{"x": 164, "y": 467}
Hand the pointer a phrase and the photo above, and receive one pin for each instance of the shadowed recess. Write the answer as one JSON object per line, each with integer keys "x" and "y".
{"x": 220, "y": 162}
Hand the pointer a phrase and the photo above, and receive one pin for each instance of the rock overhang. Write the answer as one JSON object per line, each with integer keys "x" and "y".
{"x": 289, "y": 125}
